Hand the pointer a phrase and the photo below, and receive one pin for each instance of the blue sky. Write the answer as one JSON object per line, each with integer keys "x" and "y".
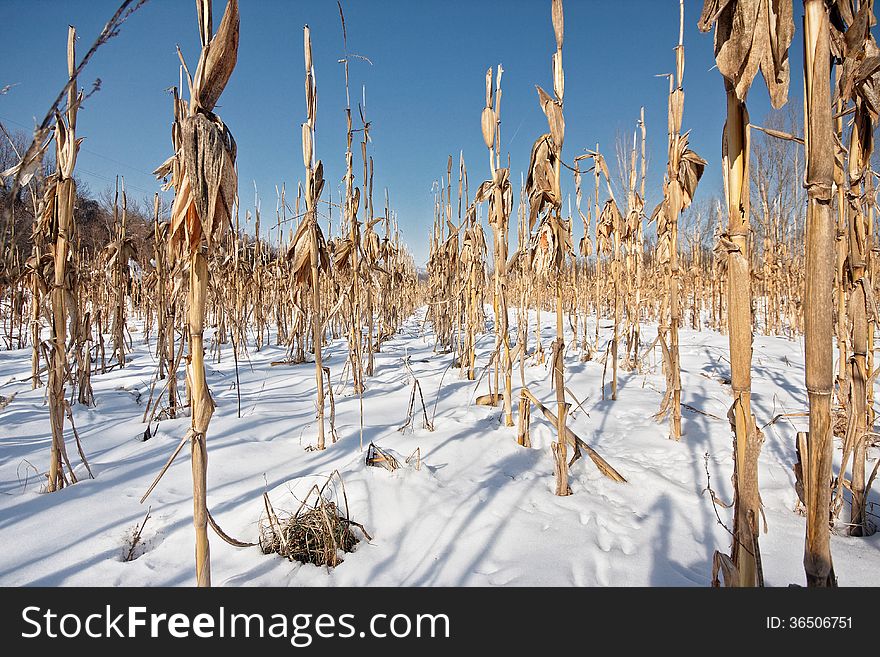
{"x": 424, "y": 89}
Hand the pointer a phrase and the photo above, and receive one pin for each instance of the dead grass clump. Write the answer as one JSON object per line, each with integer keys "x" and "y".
{"x": 316, "y": 532}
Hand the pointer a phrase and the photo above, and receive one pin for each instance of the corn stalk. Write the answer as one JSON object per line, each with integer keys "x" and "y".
{"x": 57, "y": 227}
{"x": 552, "y": 243}
{"x": 314, "y": 185}
{"x": 767, "y": 26}
{"x": 683, "y": 173}
{"x": 856, "y": 80}
{"x": 818, "y": 318}
{"x": 205, "y": 183}
{"x": 498, "y": 193}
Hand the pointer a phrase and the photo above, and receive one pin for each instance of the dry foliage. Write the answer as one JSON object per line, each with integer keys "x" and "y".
{"x": 204, "y": 270}
{"x": 317, "y": 531}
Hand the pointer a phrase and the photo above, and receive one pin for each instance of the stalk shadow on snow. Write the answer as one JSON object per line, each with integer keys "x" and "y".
{"x": 696, "y": 438}
{"x": 665, "y": 570}
{"x": 455, "y": 528}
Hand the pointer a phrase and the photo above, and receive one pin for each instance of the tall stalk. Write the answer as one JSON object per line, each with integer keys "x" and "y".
{"x": 856, "y": 205}
{"x": 818, "y": 316}
{"x": 766, "y": 32}
{"x": 205, "y": 183}
{"x": 640, "y": 242}
{"x": 316, "y": 249}
{"x": 370, "y": 242}
{"x": 122, "y": 251}
{"x": 859, "y": 286}
{"x": 553, "y": 239}
{"x": 746, "y": 438}
{"x": 314, "y": 184}
{"x": 683, "y": 173}
{"x": 59, "y": 227}
{"x": 498, "y": 193}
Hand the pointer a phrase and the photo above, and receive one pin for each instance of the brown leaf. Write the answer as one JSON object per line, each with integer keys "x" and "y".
{"x": 544, "y": 249}
{"x": 859, "y": 28}
{"x": 711, "y": 11}
{"x": 218, "y": 60}
{"x": 752, "y": 35}
{"x": 162, "y": 171}
{"x": 25, "y": 170}
{"x": 299, "y": 253}
{"x": 483, "y": 191}
{"x": 609, "y": 219}
{"x": 722, "y": 563}
{"x": 563, "y": 238}
{"x": 541, "y": 181}
{"x": 553, "y": 110}
{"x": 208, "y": 157}
{"x": 586, "y": 247}
{"x": 319, "y": 179}
{"x": 340, "y": 250}
{"x": 177, "y": 230}
{"x": 690, "y": 170}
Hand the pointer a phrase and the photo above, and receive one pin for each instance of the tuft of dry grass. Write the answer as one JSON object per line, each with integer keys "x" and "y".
{"x": 316, "y": 532}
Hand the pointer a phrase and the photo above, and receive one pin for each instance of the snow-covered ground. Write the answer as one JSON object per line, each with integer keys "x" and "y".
{"x": 480, "y": 510}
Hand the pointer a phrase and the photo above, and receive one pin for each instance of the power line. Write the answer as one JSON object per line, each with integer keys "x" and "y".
{"x": 113, "y": 180}
{"x": 87, "y": 150}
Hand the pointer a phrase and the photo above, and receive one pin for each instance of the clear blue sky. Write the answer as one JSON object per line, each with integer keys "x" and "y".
{"x": 424, "y": 89}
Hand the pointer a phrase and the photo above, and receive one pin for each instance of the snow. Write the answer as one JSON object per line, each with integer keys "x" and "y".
{"x": 479, "y": 512}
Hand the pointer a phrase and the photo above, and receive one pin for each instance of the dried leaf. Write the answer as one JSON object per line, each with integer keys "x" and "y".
{"x": 28, "y": 166}
{"x": 218, "y": 60}
{"x": 208, "y": 157}
{"x": 752, "y": 35}
{"x": 541, "y": 180}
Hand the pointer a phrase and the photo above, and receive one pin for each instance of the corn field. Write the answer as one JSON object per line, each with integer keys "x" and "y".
{"x": 554, "y": 303}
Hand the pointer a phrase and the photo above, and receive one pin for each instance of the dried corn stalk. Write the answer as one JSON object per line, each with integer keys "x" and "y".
{"x": 632, "y": 233}
{"x": 553, "y": 241}
{"x": 348, "y": 254}
{"x": 205, "y": 184}
{"x": 683, "y": 172}
{"x": 497, "y": 192}
{"x": 55, "y": 269}
{"x": 317, "y": 251}
{"x": 117, "y": 255}
{"x": 609, "y": 228}
{"x": 857, "y": 82}
{"x": 819, "y": 139}
{"x": 749, "y": 35}
{"x": 472, "y": 259}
